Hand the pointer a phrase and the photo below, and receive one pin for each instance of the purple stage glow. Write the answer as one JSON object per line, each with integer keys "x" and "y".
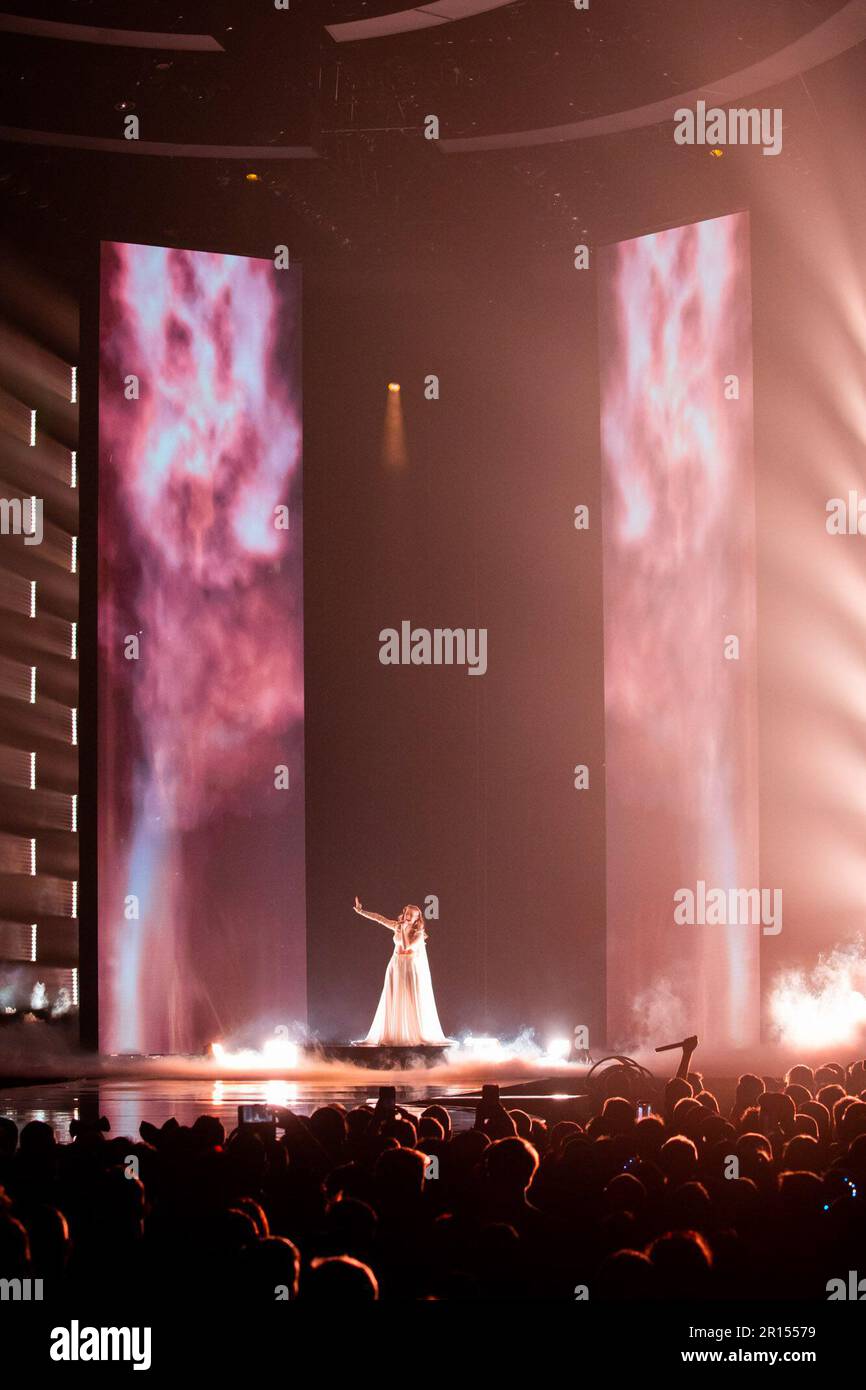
{"x": 679, "y": 585}
{"x": 201, "y": 844}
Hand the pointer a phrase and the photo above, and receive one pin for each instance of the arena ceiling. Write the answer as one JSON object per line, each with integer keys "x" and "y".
{"x": 325, "y": 103}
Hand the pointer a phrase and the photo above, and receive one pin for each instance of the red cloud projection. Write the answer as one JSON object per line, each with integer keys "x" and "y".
{"x": 201, "y": 890}
{"x": 679, "y": 581}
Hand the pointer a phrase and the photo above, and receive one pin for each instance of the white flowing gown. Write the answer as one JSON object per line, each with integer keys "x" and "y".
{"x": 407, "y": 1009}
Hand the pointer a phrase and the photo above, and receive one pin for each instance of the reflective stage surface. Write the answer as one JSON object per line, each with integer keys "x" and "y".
{"x": 127, "y": 1101}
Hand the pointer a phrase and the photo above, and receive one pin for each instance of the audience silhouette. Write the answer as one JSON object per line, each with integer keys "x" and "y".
{"x": 759, "y": 1193}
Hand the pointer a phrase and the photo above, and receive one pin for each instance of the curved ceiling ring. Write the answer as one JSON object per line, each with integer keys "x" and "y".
{"x": 157, "y": 147}
{"x": 405, "y": 21}
{"x": 836, "y": 35}
{"x": 115, "y": 38}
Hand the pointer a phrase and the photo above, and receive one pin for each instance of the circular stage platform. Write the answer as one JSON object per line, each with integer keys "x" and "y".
{"x": 380, "y": 1058}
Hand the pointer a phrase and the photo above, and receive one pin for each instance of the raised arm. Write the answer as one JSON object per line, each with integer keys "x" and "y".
{"x": 374, "y": 916}
{"x": 688, "y": 1046}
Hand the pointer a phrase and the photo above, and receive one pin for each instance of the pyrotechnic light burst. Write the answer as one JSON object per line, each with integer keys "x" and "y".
{"x": 274, "y": 1053}
{"x": 825, "y": 1007}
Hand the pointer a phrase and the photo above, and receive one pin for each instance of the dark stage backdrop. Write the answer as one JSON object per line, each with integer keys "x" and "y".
{"x": 424, "y": 780}
{"x": 201, "y": 697}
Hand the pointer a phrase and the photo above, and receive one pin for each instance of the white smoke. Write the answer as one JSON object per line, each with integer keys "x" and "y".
{"x": 659, "y": 1015}
{"x": 823, "y": 1007}
{"x": 62, "y": 1004}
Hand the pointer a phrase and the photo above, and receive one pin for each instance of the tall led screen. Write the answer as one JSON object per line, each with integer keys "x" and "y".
{"x": 201, "y": 691}
{"x": 684, "y": 911}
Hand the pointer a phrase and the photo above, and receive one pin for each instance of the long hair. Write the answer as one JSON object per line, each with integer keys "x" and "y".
{"x": 417, "y": 928}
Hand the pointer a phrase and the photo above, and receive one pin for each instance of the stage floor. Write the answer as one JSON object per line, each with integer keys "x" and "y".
{"x": 128, "y": 1090}
{"x": 128, "y": 1101}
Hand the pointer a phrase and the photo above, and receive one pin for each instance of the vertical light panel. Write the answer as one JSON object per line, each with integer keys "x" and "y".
{"x": 679, "y": 631}
{"x": 201, "y": 774}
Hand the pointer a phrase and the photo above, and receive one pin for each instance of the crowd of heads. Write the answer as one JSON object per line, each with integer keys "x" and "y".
{"x": 760, "y": 1194}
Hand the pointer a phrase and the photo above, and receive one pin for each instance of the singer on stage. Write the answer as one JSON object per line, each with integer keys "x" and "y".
{"x": 406, "y": 1014}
